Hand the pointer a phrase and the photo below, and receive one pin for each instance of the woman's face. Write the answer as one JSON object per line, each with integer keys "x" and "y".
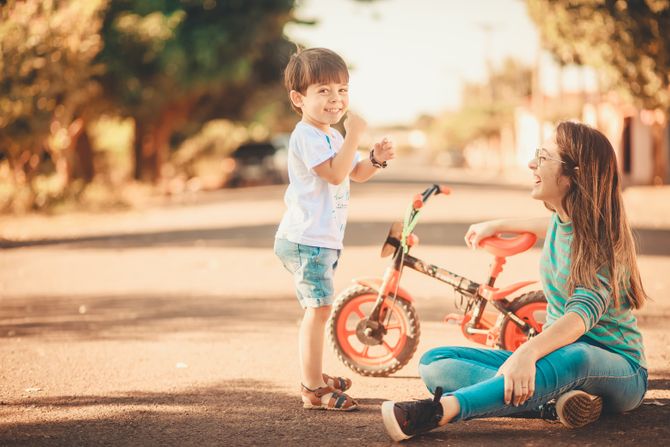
{"x": 550, "y": 185}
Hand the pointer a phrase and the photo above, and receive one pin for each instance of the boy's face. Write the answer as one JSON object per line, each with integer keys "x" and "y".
{"x": 322, "y": 104}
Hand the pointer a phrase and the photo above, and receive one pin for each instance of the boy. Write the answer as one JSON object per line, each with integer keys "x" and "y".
{"x": 309, "y": 237}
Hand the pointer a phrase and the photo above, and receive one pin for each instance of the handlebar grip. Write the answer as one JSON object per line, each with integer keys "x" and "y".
{"x": 418, "y": 202}
{"x": 444, "y": 190}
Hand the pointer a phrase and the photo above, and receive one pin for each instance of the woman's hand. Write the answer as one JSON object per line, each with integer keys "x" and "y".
{"x": 519, "y": 373}
{"x": 480, "y": 231}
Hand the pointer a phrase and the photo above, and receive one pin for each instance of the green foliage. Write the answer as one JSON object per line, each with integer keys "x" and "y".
{"x": 46, "y": 70}
{"x": 628, "y": 41}
{"x": 168, "y": 65}
{"x": 173, "y": 65}
{"x": 163, "y": 51}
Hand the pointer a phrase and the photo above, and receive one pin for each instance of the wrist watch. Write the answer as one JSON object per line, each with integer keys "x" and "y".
{"x": 375, "y": 163}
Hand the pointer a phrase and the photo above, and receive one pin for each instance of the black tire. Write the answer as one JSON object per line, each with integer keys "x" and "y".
{"x": 509, "y": 330}
{"x": 403, "y": 315}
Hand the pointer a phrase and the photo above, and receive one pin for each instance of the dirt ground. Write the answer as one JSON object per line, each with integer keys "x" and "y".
{"x": 175, "y": 325}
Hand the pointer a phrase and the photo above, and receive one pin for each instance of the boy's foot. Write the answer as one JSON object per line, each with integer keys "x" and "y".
{"x": 406, "y": 419}
{"x": 326, "y": 398}
{"x": 577, "y": 408}
{"x": 339, "y": 383}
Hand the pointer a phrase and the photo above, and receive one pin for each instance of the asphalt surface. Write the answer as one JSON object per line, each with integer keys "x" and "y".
{"x": 174, "y": 324}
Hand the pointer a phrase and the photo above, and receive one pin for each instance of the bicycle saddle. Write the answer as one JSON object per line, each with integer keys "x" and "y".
{"x": 503, "y": 247}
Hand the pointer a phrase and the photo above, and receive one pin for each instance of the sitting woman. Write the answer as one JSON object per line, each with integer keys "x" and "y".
{"x": 590, "y": 355}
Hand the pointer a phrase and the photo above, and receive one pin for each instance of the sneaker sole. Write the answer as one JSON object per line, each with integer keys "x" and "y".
{"x": 576, "y": 408}
{"x": 391, "y": 423}
{"x": 325, "y": 408}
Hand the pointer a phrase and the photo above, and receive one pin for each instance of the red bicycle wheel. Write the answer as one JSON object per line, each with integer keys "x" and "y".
{"x": 530, "y": 307}
{"x": 365, "y": 355}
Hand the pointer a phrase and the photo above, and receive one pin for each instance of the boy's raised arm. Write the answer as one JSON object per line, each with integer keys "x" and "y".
{"x": 336, "y": 169}
{"x": 383, "y": 151}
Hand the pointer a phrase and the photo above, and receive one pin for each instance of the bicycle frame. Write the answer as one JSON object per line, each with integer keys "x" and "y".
{"x": 473, "y": 322}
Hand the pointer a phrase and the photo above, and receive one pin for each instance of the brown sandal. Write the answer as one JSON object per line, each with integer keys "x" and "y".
{"x": 313, "y": 399}
{"x": 339, "y": 383}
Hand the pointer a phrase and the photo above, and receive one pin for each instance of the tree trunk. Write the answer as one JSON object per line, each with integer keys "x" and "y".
{"x": 84, "y": 168}
{"x": 161, "y": 138}
{"x": 152, "y": 140}
{"x": 171, "y": 117}
{"x": 23, "y": 163}
{"x": 138, "y": 160}
{"x": 149, "y": 154}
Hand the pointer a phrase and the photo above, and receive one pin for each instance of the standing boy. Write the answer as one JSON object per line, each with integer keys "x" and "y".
{"x": 309, "y": 237}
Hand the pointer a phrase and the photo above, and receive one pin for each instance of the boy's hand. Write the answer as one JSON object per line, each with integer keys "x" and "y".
{"x": 384, "y": 150}
{"x": 354, "y": 124}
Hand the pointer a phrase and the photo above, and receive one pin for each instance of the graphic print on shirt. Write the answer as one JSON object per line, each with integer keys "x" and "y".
{"x": 341, "y": 203}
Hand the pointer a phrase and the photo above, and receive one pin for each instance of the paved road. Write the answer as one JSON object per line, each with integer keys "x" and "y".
{"x": 175, "y": 324}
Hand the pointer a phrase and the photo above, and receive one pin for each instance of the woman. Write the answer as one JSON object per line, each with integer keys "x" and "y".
{"x": 589, "y": 355}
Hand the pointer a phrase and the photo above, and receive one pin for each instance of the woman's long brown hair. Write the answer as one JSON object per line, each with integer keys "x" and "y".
{"x": 603, "y": 240}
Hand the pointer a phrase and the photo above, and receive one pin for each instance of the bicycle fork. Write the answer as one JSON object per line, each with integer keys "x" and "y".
{"x": 374, "y": 326}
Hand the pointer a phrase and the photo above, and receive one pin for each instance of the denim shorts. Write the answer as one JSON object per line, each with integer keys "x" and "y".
{"x": 312, "y": 269}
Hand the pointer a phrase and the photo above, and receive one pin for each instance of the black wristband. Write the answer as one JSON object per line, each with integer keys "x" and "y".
{"x": 374, "y": 162}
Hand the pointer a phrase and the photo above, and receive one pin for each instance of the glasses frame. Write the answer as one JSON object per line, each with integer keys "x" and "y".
{"x": 539, "y": 157}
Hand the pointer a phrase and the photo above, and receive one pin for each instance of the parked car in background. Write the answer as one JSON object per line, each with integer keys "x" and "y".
{"x": 258, "y": 163}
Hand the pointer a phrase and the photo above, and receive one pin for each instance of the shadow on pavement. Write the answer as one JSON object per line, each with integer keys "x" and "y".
{"x": 249, "y": 412}
{"x": 239, "y": 413}
{"x": 139, "y": 316}
{"x": 359, "y": 234}
{"x": 149, "y": 317}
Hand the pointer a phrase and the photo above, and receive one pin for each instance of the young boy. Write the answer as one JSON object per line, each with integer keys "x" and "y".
{"x": 309, "y": 237}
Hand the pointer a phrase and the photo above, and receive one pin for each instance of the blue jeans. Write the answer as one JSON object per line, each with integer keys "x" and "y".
{"x": 469, "y": 374}
{"x": 312, "y": 269}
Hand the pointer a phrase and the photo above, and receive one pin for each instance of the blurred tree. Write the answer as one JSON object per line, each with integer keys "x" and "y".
{"x": 628, "y": 41}
{"x": 171, "y": 61}
{"x": 46, "y": 77}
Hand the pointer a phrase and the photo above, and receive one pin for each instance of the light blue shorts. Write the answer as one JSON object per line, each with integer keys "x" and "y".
{"x": 312, "y": 269}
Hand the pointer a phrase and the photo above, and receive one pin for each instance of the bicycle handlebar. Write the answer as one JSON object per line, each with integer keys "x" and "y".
{"x": 498, "y": 246}
{"x": 435, "y": 189}
{"x": 418, "y": 202}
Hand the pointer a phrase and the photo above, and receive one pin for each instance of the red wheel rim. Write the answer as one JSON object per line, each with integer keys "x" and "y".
{"x": 529, "y": 313}
{"x": 392, "y": 344}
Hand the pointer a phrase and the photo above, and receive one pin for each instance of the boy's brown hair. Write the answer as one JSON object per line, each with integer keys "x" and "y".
{"x": 313, "y": 66}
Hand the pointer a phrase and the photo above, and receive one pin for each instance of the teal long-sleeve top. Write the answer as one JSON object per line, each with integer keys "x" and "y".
{"x": 613, "y": 328}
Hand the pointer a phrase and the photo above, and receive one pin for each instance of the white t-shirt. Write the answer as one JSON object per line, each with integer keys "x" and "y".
{"x": 316, "y": 212}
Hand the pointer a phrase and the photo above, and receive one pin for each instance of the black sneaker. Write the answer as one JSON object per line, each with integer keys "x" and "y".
{"x": 577, "y": 408}
{"x": 406, "y": 419}
{"x": 546, "y": 411}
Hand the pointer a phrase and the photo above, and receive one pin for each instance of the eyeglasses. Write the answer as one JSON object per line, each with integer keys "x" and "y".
{"x": 540, "y": 158}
